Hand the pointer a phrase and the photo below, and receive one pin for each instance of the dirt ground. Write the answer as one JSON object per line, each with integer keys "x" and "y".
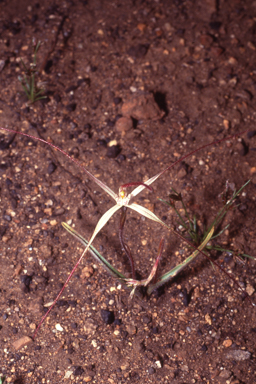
{"x": 131, "y": 87}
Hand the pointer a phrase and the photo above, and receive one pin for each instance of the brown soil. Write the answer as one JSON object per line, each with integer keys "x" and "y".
{"x": 190, "y": 67}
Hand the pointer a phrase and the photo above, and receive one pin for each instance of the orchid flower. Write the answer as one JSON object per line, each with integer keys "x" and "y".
{"x": 122, "y": 199}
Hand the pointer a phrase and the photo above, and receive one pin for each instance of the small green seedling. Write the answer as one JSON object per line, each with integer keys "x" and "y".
{"x": 191, "y": 227}
{"x": 124, "y": 201}
{"x": 28, "y": 81}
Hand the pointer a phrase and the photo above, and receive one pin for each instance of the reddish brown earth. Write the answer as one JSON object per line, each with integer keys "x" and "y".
{"x": 179, "y": 74}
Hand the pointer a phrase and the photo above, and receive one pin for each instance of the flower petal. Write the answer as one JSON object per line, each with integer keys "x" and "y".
{"x": 147, "y": 213}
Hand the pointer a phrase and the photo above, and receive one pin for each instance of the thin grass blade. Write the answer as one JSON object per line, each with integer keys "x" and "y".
{"x": 224, "y": 210}
{"x": 174, "y": 272}
{"x": 93, "y": 251}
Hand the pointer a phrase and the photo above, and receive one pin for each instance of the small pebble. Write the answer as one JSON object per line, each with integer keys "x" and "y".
{"x": 113, "y": 151}
{"x": 59, "y": 328}
{"x": 226, "y": 124}
{"x": 117, "y": 100}
{"x": 138, "y": 51}
{"x": 131, "y": 329}
{"x": 142, "y": 107}
{"x": 90, "y": 326}
{"x": 238, "y": 355}
{"x": 147, "y": 319}
{"x": 87, "y": 272}
{"x": 151, "y": 371}
{"x": 58, "y": 211}
{"x": 251, "y": 134}
{"x": 68, "y": 374}
{"x": 227, "y": 343}
{"x": 124, "y": 124}
{"x": 51, "y": 168}
{"x": 78, "y": 371}
{"x": 225, "y": 374}
{"x": 108, "y": 317}
{"x": 71, "y": 107}
{"x": 20, "y": 343}
{"x": 250, "y": 289}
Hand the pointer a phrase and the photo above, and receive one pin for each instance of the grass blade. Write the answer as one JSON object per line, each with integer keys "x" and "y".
{"x": 93, "y": 251}
{"x": 174, "y": 272}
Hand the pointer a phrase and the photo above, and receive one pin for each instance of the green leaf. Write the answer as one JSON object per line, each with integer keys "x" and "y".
{"x": 100, "y": 259}
{"x": 226, "y": 207}
{"x": 93, "y": 251}
{"x": 174, "y": 272}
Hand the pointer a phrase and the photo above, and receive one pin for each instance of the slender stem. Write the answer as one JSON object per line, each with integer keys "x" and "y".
{"x": 59, "y": 294}
{"x": 136, "y": 184}
{"x": 159, "y": 255}
{"x": 97, "y": 181}
{"x": 140, "y": 188}
{"x": 124, "y": 246}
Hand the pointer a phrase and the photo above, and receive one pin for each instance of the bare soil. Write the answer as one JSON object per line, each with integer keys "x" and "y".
{"x": 179, "y": 74}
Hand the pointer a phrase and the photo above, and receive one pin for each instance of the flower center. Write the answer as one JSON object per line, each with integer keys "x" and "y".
{"x": 123, "y": 198}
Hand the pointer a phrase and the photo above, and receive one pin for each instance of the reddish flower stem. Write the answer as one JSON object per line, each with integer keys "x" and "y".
{"x": 136, "y": 184}
{"x": 124, "y": 246}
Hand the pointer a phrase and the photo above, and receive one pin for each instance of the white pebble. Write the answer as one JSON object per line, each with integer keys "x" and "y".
{"x": 59, "y": 327}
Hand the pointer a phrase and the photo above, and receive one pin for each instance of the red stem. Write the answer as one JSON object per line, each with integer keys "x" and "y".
{"x": 124, "y": 246}
{"x": 97, "y": 181}
{"x": 199, "y": 149}
{"x": 57, "y": 298}
{"x": 136, "y": 184}
{"x": 159, "y": 255}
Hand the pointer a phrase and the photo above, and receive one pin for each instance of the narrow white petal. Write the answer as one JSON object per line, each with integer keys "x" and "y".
{"x": 147, "y": 213}
{"x": 105, "y": 187}
{"x": 103, "y": 220}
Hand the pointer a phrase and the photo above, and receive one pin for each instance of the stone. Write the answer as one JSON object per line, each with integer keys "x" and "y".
{"x": 142, "y": 107}
{"x": 238, "y": 355}
{"x": 124, "y": 124}
{"x": 90, "y": 327}
{"x": 108, "y": 317}
{"x": 20, "y": 343}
